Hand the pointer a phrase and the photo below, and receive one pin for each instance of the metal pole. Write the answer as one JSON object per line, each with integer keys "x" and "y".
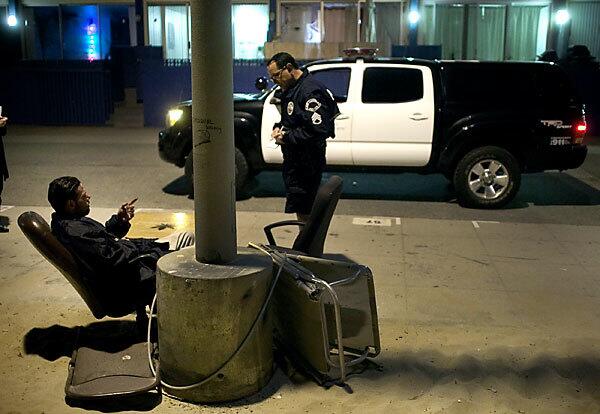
{"x": 212, "y": 126}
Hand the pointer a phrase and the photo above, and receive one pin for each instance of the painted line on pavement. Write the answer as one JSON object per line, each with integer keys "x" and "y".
{"x": 476, "y": 222}
{"x": 372, "y": 221}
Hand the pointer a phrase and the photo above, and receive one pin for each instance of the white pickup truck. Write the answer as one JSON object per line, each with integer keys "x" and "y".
{"x": 481, "y": 124}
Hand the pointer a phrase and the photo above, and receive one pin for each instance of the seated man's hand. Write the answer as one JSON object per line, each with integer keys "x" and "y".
{"x": 3, "y": 121}
{"x": 127, "y": 211}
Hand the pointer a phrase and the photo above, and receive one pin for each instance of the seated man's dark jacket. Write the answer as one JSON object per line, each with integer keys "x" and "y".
{"x": 104, "y": 255}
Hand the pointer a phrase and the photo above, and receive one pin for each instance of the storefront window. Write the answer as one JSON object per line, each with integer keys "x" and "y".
{"x": 154, "y": 26}
{"x": 485, "y": 33}
{"x": 176, "y": 32}
{"x": 300, "y": 23}
{"x": 493, "y": 31}
{"x": 114, "y": 26}
{"x": 250, "y": 26}
{"x": 42, "y": 33}
{"x": 442, "y": 24}
{"x": 525, "y": 38}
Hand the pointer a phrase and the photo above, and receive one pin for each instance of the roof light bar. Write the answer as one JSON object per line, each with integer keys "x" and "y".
{"x": 361, "y": 52}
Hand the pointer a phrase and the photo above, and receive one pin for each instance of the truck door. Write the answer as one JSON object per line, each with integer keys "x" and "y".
{"x": 337, "y": 79}
{"x": 394, "y": 125}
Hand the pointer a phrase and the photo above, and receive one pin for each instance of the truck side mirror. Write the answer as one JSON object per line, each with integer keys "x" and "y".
{"x": 276, "y": 99}
{"x": 261, "y": 83}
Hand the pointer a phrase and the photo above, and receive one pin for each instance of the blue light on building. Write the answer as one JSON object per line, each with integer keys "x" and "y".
{"x": 92, "y": 41}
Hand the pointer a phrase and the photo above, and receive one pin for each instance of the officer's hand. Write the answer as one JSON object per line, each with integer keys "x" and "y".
{"x": 279, "y": 138}
{"x": 277, "y": 135}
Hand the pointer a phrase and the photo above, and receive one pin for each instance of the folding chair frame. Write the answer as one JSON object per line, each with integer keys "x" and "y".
{"x": 300, "y": 272}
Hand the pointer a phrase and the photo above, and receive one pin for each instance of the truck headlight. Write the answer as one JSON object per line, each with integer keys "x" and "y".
{"x": 174, "y": 115}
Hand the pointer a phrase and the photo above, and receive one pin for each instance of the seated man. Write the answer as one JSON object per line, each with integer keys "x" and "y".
{"x": 105, "y": 256}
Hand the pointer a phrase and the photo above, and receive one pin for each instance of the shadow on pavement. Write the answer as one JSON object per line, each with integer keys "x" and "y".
{"x": 551, "y": 188}
{"x": 60, "y": 341}
{"x": 420, "y": 371}
{"x": 142, "y": 402}
{"x": 179, "y": 186}
{"x": 555, "y": 189}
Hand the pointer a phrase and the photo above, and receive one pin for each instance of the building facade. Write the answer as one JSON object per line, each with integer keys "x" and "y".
{"x": 484, "y": 30}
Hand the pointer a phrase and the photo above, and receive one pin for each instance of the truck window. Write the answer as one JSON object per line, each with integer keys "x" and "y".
{"x": 492, "y": 84}
{"x": 554, "y": 87}
{"x": 336, "y": 80}
{"x": 392, "y": 85}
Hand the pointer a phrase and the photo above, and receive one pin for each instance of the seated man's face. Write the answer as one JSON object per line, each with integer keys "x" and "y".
{"x": 80, "y": 206}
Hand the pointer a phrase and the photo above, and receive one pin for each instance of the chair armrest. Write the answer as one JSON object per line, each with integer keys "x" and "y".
{"x": 142, "y": 257}
{"x": 271, "y": 226}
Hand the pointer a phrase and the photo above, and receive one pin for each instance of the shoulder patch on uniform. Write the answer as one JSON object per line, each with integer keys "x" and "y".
{"x": 316, "y": 118}
{"x": 312, "y": 105}
{"x": 290, "y": 107}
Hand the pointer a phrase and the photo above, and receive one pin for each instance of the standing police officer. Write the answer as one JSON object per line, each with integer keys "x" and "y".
{"x": 308, "y": 111}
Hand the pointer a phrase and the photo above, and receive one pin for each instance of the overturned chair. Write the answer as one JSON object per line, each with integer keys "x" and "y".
{"x": 325, "y": 314}
{"x": 311, "y": 238}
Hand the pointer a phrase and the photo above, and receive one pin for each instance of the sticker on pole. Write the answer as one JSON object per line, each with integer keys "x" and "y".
{"x": 372, "y": 221}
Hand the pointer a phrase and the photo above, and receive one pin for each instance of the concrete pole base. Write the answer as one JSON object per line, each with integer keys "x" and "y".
{"x": 204, "y": 313}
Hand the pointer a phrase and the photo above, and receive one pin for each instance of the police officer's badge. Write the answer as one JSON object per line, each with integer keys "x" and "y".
{"x": 290, "y": 107}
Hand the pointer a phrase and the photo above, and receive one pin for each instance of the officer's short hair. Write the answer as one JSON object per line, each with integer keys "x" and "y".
{"x": 282, "y": 59}
{"x": 61, "y": 190}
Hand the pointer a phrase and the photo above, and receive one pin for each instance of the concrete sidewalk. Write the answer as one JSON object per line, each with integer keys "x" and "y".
{"x": 475, "y": 317}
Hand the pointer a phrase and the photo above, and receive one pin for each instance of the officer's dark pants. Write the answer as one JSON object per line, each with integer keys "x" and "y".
{"x": 302, "y": 174}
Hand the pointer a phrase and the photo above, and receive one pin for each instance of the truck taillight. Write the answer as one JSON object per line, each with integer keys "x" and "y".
{"x": 580, "y": 130}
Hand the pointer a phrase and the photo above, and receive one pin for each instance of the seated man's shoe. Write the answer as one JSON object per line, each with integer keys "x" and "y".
{"x": 178, "y": 240}
{"x": 3, "y": 229}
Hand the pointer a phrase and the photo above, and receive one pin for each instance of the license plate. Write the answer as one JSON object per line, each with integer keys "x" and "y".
{"x": 557, "y": 141}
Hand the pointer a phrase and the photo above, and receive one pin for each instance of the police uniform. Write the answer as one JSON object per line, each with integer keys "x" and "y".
{"x": 308, "y": 111}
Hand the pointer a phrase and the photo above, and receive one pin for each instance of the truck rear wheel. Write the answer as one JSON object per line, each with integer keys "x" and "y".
{"x": 241, "y": 169}
{"x": 487, "y": 177}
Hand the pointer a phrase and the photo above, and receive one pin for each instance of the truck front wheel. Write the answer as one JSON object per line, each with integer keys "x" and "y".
{"x": 241, "y": 169}
{"x": 487, "y": 177}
